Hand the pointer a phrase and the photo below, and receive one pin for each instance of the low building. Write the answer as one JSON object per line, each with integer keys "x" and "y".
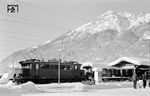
{"x": 137, "y": 64}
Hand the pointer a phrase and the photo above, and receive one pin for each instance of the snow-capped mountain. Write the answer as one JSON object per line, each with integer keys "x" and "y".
{"x": 111, "y": 20}
{"x": 105, "y": 39}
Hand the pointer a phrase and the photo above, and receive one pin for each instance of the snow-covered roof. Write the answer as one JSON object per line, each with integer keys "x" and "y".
{"x": 97, "y": 69}
{"x": 131, "y": 60}
{"x": 87, "y": 64}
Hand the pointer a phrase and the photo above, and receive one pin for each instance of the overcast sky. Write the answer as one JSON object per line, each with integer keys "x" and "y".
{"x": 42, "y": 20}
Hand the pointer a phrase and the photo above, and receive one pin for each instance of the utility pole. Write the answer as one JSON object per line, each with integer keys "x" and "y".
{"x": 59, "y": 69}
{"x": 59, "y": 65}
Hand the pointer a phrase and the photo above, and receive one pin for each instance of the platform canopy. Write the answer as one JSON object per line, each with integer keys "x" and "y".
{"x": 130, "y": 62}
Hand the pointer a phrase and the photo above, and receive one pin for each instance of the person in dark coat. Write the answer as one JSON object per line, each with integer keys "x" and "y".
{"x": 134, "y": 80}
{"x": 144, "y": 80}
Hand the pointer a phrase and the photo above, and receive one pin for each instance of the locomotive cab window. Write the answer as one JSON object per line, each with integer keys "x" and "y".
{"x": 63, "y": 67}
{"x": 71, "y": 67}
{"x": 68, "y": 67}
{"x": 46, "y": 66}
{"x": 26, "y": 65}
{"x": 77, "y": 67}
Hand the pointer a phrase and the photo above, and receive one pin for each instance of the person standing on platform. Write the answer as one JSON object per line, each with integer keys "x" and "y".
{"x": 144, "y": 80}
{"x": 134, "y": 80}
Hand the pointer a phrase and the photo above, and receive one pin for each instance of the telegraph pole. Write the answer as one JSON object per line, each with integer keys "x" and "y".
{"x": 59, "y": 65}
{"x": 59, "y": 68}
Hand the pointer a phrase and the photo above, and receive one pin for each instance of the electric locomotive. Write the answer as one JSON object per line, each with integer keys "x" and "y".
{"x": 40, "y": 71}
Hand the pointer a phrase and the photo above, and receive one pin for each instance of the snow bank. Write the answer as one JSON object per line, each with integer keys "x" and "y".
{"x": 72, "y": 87}
{"x": 4, "y": 79}
{"x": 28, "y": 87}
{"x": 60, "y": 88}
{"x": 8, "y": 92}
{"x": 10, "y": 84}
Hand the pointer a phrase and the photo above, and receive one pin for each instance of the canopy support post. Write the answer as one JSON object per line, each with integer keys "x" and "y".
{"x": 134, "y": 71}
{"x": 121, "y": 73}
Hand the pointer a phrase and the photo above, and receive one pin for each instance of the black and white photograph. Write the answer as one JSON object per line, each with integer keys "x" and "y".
{"x": 74, "y": 48}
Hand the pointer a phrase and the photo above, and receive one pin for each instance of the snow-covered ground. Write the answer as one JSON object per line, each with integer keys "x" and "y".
{"x": 8, "y": 88}
{"x": 106, "y": 92}
{"x": 72, "y": 89}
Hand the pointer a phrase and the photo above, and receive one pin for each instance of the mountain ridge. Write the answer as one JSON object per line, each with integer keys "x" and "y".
{"x": 105, "y": 39}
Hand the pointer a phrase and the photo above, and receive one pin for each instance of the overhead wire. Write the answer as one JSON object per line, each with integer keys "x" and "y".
{"x": 27, "y": 23}
{"x": 34, "y": 21}
{"x": 39, "y": 23}
{"x": 54, "y": 11}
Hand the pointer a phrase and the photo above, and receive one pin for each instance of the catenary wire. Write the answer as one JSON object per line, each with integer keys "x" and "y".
{"x": 34, "y": 21}
{"x": 27, "y": 23}
{"x": 54, "y": 11}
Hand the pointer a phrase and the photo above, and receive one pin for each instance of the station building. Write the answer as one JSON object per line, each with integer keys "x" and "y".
{"x": 121, "y": 69}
